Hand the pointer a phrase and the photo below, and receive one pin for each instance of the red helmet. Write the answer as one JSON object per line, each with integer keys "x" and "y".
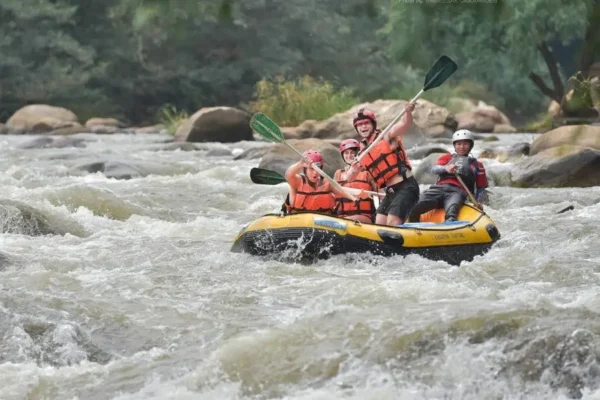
{"x": 349, "y": 144}
{"x": 314, "y": 156}
{"x": 365, "y": 115}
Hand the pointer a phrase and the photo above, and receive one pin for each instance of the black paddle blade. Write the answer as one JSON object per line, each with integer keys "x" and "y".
{"x": 441, "y": 70}
{"x": 265, "y": 177}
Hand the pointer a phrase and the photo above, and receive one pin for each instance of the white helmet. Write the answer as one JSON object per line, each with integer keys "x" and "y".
{"x": 463, "y": 134}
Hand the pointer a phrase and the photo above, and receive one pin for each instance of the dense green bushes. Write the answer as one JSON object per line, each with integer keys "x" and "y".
{"x": 289, "y": 102}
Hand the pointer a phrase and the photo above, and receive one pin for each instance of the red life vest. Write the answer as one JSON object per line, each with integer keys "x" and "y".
{"x": 472, "y": 172}
{"x": 347, "y": 207}
{"x": 310, "y": 199}
{"x": 383, "y": 163}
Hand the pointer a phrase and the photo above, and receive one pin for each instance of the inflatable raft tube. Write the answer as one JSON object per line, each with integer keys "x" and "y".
{"x": 316, "y": 236}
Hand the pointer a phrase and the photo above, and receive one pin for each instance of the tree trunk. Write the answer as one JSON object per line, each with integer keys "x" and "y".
{"x": 590, "y": 49}
{"x": 558, "y": 90}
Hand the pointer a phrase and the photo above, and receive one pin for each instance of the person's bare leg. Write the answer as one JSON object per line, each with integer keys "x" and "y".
{"x": 381, "y": 219}
{"x": 393, "y": 220}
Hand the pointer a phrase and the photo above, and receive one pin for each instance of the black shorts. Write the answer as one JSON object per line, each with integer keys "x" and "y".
{"x": 400, "y": 198}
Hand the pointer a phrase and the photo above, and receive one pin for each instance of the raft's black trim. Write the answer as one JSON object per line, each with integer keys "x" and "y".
{"x": 391, "y": 238}
{"x": 492, "y": 230}
{"x": 321, "y": 244}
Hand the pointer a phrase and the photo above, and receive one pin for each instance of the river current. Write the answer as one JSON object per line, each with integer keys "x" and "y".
{"x": 127, "y": 289}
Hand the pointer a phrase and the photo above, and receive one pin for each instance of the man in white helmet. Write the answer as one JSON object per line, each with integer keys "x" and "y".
{"x": 448, "y": 192}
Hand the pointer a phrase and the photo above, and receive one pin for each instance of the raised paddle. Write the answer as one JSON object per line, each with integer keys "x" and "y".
{"x": 268, "y": 177}
{"x": 441, "y": 70}
{"x": 271, "y": 131}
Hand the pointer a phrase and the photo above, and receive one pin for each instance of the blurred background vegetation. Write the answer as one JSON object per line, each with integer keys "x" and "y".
{"x": 148, "y": 60}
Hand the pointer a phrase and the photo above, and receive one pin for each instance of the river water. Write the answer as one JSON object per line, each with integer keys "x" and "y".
{"x": 137, "y": 296}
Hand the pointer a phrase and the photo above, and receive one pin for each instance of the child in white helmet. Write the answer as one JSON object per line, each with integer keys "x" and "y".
{"x": 448, "y": 192}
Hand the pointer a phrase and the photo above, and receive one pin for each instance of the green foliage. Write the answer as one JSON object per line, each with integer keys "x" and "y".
{"x": 412, "y": 81}
{"x": 585, "y": 98}
{"x": 543, "y": 122}
{"x": 171, "y": 118}
{"x": 128, "y": 58}
{"x": 492, "y": 44}
{"x": 291, "y": 102}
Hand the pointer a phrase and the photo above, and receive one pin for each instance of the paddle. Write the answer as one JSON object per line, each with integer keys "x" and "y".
{"x": 271, "y": 131}
{"x": 471, "y": 197}
{"x": 268, "y": 177}
{"x": 441, "y": 70}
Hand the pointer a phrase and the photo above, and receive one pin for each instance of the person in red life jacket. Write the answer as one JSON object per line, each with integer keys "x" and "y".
{"x": 448, "y": 192}
{"x": 389, "y": 166}
{"x": 362, "y": 210}
{"x": 309, "y": 192}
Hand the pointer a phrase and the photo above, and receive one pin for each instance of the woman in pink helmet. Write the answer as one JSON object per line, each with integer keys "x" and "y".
{"x": 362, "y": 210}
{"x": 309, "y": 192}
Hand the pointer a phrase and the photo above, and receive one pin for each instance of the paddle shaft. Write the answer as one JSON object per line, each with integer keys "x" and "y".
{"x": 390, "y": 126}
{"x": 269, "y": 177}
{"x": 357, "y": 191}
{"x": 322, "y": 173}
{"x": 468, "y": 191}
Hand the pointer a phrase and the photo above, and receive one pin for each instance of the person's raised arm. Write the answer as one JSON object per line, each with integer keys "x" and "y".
{"x": 291, "y": 175}
{"x": 401, "y": 127}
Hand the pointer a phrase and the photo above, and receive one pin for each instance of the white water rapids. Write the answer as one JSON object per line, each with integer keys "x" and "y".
{"x": 136, "y": 295}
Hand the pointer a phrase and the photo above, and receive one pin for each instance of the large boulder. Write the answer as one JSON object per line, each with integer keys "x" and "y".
{"x": 562, "y": 166}
{"x": 279, "y": 158}
{"x": 513, "y": 153}
{"x": 216, "y": 124}
{"x": 104, "y": 122}
{"x": 159, "y": 128}
{"x": 3, "y": 129}
{"x": 41, "y": 118}
{"x": 423, "y": 173}
{"x": 253, "y": 153}
{"x": 484, "y": 120}
{"x": 430, "y": 121}
{"x": 576, "y": 135}
{"x": 424, "y": 151}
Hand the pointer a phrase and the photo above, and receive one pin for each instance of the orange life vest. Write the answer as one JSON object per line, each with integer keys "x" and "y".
{"x": 309, "y": 199}
{"x": 384, "y": 163}
{"x": 348, "y": 207}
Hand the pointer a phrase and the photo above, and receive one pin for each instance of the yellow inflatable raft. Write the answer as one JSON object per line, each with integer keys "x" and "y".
{"x": 319, "y": 236}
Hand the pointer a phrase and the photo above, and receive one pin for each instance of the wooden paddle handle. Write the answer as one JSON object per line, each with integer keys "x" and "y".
{"x": 468, "y": 191}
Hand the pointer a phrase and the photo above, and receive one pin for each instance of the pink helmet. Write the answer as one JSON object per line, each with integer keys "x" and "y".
{"x": 349, "y": 144}
{"x": 365, "y": 115}
{"x": 314, "y": 156}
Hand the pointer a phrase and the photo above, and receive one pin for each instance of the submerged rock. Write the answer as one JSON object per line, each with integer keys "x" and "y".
{"x": 121, "y": 170}
{"x": 20, "y": 218}
{"x": 60, "y": 142}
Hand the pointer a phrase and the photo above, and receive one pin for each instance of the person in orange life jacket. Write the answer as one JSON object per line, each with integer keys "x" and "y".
{"x": 389, "y": 166}
{"x": 362, "y": 210}
{"x": 310, "y": 192}
{"x": 448, "y": 191}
